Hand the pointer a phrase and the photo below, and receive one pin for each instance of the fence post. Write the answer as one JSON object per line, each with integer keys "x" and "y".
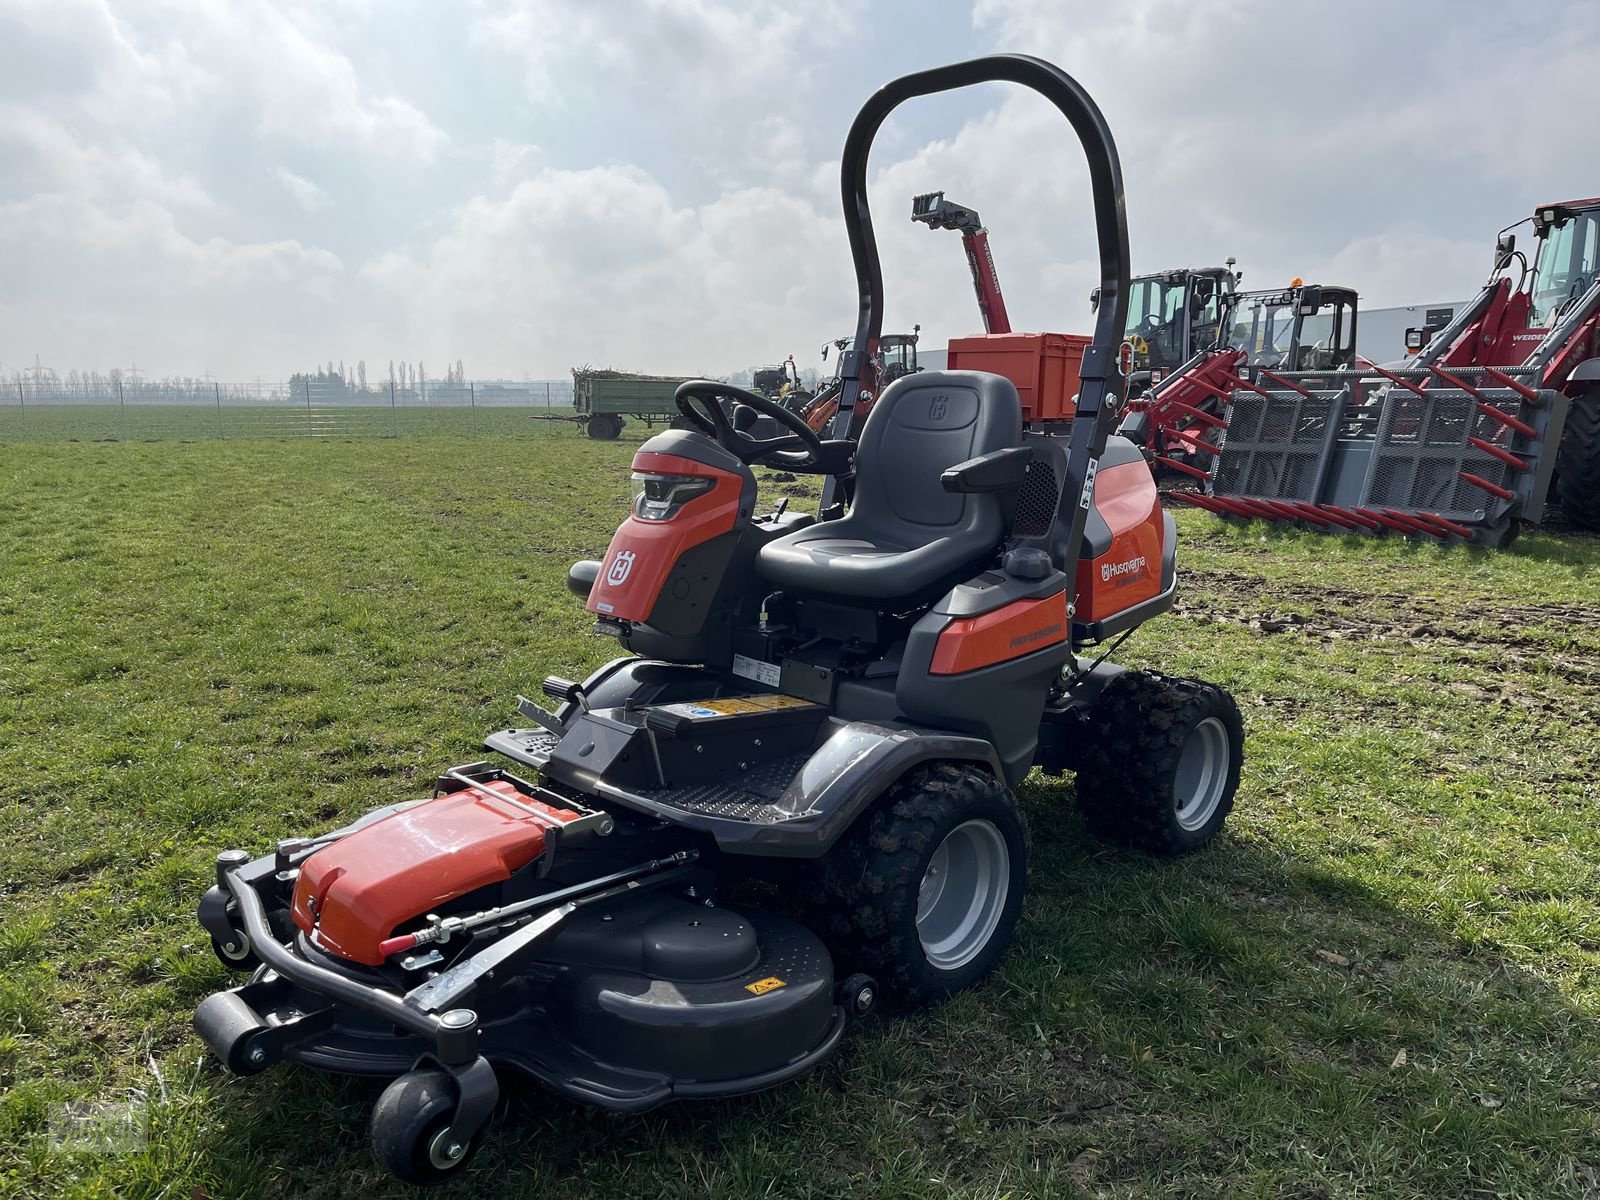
{"x": 310, "y": 428}
{"x": 23, "y": 400}
{"x": 547, "y": 395}
{"x": 122, "y": 405}
{"x": 216, "y": 389}
{"x": 394, "y": 417}
{"x": 472, "y": 397}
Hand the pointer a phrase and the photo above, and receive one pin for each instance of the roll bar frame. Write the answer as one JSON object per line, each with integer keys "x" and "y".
{"x": 1100, "y": 384}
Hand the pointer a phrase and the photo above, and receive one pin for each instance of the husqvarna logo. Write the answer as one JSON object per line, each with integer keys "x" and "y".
{"x": 937, "y": 407}
{"x": 1110, "y": 571}
{"x": 620, "y": 566}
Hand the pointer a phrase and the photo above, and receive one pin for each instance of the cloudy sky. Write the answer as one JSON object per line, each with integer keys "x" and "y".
{"x": 243, "y": 187}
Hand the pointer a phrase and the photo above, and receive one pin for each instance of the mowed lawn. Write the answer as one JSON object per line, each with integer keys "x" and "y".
{"x": 1383, "y": 980}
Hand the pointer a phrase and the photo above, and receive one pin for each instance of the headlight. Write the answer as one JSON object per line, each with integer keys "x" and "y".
{"x": 659, "y": 497}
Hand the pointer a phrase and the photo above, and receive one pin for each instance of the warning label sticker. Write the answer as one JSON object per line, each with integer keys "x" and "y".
{"x": 729, "y": 706}
{"x": 755, "y": 668}
{"x": 762, "y": 986}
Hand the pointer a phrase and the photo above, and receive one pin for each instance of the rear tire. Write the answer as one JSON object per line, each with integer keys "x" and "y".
{"x": 1160, "y": 764}
{"x": 1578, "y": 462}
{"x": 924, "y": 892}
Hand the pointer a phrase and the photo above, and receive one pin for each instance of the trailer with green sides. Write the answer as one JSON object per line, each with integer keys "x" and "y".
{"x": 603, "y": 398}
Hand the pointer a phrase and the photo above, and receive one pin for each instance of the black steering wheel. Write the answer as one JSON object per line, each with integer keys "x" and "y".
{"x": 801, "y": 447}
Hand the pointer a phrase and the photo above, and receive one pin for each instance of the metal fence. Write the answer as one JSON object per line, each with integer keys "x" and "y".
{"x": 121, "y": 410}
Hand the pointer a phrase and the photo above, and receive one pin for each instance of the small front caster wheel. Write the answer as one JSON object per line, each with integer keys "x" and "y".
{"x": 236, "y": 955}
{"x": 411, "y": 1136}
{"x": 858, "y": 994}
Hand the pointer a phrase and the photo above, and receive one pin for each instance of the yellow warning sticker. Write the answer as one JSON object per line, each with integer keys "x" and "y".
{"x": 762, "y": 986}
{"x": 729, "y": 705}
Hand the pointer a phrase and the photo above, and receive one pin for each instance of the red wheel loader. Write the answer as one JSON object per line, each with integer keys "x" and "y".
{"x": 1460, "y": 444}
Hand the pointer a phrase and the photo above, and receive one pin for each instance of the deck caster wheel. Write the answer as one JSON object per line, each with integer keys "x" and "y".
{"x": 236, "y": 955}
{"x": 411, "y": 1136}
{"x": 858, "y": 994}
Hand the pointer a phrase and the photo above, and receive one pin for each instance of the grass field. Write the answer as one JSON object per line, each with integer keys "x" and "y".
{"x": 286, "y": 419}
{"x": 1383, "y": 980}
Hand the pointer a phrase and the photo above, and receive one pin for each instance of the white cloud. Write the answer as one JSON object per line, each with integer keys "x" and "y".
{"x": 676, "y": 50}
{"x": 599, "y": 266}
{"x": 301, "y": 190}
{"x": 651, "y": 183}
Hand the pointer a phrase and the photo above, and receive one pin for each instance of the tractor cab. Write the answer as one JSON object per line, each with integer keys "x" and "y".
{"x": 1567, "y": 261}
{"x": 898, "y": 354}
{"x": 1304, "y": 327}
{"x": 1172, "y": 316}
{"x": 781, "y": 382}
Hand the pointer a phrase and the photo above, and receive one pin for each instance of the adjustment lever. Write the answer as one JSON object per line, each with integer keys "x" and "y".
{"x": 544, "y": 717}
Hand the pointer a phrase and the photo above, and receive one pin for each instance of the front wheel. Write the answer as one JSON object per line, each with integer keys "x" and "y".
{"x": 1160, "y": 763}
{"x": 411, "y": 1129}
{"x": 925, "y": 891}
{"x": 1578, "y": 462}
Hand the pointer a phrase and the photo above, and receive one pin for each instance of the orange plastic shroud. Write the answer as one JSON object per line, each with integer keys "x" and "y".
{"x": 641, "y": 556}
{"x": 1008, "y": 632}
{"x": 352, "y": 894}
{"x": 1128, "y": 573}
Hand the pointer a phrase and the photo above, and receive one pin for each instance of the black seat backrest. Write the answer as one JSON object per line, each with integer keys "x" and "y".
{"x": 921, "y": 426}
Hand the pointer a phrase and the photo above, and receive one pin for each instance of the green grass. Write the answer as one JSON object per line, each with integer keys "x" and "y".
{"x": 213, "y": 644}
{"x": 201, "y": 422}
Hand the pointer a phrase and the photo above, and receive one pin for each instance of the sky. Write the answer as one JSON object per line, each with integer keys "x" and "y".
{"x": 243, "y": 189}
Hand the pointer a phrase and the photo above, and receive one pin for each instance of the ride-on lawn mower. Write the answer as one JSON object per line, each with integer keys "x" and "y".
{"x": 840, "y": 703}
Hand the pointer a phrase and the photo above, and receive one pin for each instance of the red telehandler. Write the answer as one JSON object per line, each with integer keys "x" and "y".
{"x": 934, "y": 211}
{"x": 1463, "y": 442}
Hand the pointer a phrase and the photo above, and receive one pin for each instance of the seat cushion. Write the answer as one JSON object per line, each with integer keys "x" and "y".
{"x": 826, "y": 558}
{"x": 904, "y": 533}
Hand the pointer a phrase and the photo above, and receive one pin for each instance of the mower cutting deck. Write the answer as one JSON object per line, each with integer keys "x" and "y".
{"x": 838, "y": 703}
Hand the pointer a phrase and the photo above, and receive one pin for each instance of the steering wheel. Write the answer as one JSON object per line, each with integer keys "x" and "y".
{"x": 801, "y": 447}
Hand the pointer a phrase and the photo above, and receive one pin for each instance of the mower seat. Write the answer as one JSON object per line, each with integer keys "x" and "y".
{"x": 904, "y": 534}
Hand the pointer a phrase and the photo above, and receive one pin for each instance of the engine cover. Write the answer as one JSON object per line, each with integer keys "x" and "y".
{"x": 352, "y": 894}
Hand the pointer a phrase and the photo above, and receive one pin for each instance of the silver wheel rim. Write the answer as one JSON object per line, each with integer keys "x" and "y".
{"x": 237, "y": 950}
{"x": 962, "y": 895}
{"x": 439, "y": 1151}
{"x": 1202, "y": 774}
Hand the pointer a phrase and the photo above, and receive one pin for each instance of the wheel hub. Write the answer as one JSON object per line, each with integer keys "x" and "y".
{"x": 963, "y": 894}
{"x": 444, "y": 1151}
{"x": 1202, "y": 775}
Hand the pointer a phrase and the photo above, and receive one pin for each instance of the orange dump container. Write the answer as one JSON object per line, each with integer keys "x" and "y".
{"x": 1044, "y": 366}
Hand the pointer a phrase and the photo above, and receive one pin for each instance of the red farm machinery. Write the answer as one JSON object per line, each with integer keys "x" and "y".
{"x": 1463, "y": 442}
{"x": 1044, "y": 367}
{"x": 1305, "y": 327}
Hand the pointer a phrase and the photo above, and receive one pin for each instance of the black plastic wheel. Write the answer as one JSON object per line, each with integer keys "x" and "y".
{"x": 858, "y": 994}
{"x": 1160, "y": 763}
{"x": 925, "y": 889}
{"x": 236, "y": 955}
{"x": 408, "y": 1129}
{"x": 1578, "y": 462}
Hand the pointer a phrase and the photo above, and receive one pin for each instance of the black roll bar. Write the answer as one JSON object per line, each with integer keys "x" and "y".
{"x": 1100, "y": 389}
